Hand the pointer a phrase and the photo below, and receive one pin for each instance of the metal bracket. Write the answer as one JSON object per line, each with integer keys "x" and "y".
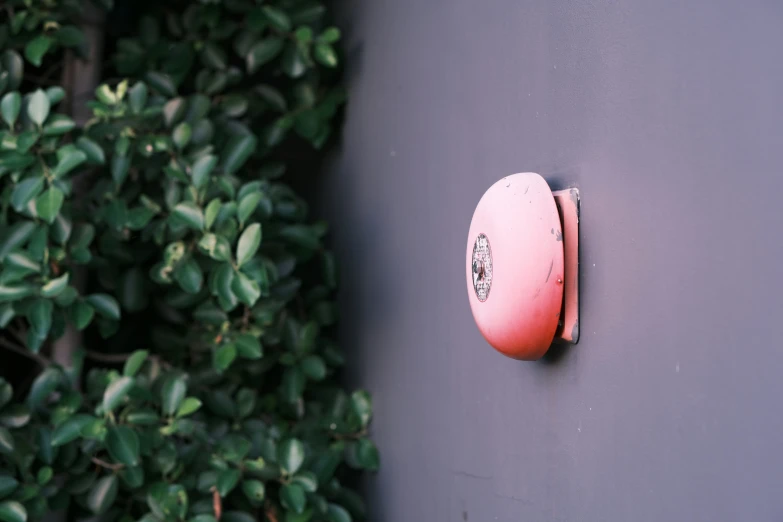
{"x": 568, "y": 207}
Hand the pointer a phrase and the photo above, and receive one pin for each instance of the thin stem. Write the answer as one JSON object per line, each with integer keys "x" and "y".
{"x": 40, "y": 359}
{"x": 107, "y": 465}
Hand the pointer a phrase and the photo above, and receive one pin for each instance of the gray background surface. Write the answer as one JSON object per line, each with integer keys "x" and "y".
{"x": 668, "y": 117}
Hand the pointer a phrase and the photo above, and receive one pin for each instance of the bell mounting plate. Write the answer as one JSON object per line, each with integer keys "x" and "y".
{"x": 568, "y": 207}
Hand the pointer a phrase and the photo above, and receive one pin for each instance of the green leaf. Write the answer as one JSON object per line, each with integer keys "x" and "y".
{"x": 40, "y": 316}
{"x": 211, "y": 212}
{"x": 120, "y": 165}
{"x": 15, "y": 236}
{"x": 102, "y": 494}
{"x": 307, "y": 480}
{"x": 10, "y": 106}
{"x": 7, "y": 485}
{"x": 68, "y": 158}
{"x": 162, "y": 83}
{"x": 181, "y": 135}
{"x": 330, "y": 35}
{"x": 38, "y": 107}
{"x": 248, "y": 346}
{"x": 43, "y": 386}
{"x": 337, "y": 513}
{"x": 105, "y": 305}
{"x": 217, "y": 247}
{"x": 326, "y": 55}
{"x": 189, "y": 276}
{"x": 105, "y": 95}
{"x": 368, "y": 455}
{"x": 82, "y": 314}
{"x": 44, "y": 475}
{"x": 189, "y": 214}
{"x": 6, "y": 442}
{"x": 227, "y": 481}
{"x": 14, "y": 66}
{"x": 15, "y": 292}
{"x": 292, "y": 497}
{"x": 12, "y": 511}
{"x": 290, "y": 455}
{"x": 22, "y": 261}
{"x": 245, "y": 289}
{"x": 36, "y": 48}
{"x": 55, "y": 94}
{"x": 247, "y": 205}
{"x": 292, "y": 62}
{"x": 213, "y": 56}
{"x": 132, "y": 290}
{"x": 25, "y": 191}
{"x": 133, "y": 476}
{"x": 55, "y": 287}
{"x": 224, "y": 356}
{"x": 122, "y": 443}
{"x": 58, "y": 125}
{"x": 134, "y": 363}
{"x": 263, "y": 52}
{"x": 201, "y": 170}
{"x": 361, "y": 404}
{"x": 93, "y": 152}
{"x": 237, "y": 152}
{"x": 172, "y": 394}
{"x": 254, "y": 490}
{"x": 168, "y": 501}
{"x": 48, "y": 204}
{"x": 70, "y": 429}
{"x": 137, "y": 97}
{"x": 189, "y": 406}
{"x": 248, "y": 243}
{"x": 304, "y": 34}
{"x": 277, "y": 18}
{"x": 116, "y": 392}
{"x": 314, "y": 367}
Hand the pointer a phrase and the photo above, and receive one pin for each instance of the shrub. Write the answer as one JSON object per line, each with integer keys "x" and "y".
{"x": 166, "y": 230}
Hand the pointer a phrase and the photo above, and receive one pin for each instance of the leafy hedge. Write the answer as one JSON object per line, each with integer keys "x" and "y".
{"x": 165, "y": 230}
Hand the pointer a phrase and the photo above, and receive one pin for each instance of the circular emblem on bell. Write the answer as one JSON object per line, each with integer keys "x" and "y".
{"x": 482, "y": 267}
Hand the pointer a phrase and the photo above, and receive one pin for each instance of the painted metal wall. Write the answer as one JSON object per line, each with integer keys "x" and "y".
{"x": 669, "y": 117}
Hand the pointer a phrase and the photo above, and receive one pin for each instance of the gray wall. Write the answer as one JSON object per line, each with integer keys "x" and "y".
{"x": 668, "y": 116}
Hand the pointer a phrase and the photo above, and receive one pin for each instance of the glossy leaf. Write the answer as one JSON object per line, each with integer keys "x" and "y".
{"x": 10, "y": 105}
{"x": 25, "y": 191}
{"x": 49, "y": 203}
{"x": 262, "y": 53}
{"x": 55, "y": 287}
{"x": 12, "y": 511}
{"x": 189, "y": 214}
{"x": 292, "y": 497}
{"x": 6, "y": 442}
{"x": 122, "y": 444}
{"x": 189, "y": 406}
{"x": 116, "y": 392}
{"x": 38, "y": 107}
{"x": 237, "y": 152}
{"x": 224, "y": 356}
{"x": 102, "y": 494}
{"x": 105, "y": 305}
{"x": 36, "y": 48}
{"x": 290, "y": 455}
{"x": 248, "y": 346}
{"x": 134, "y": 363}
{"x": 337, "y": 513}
{"x": 248, "y": 243}
{"x": 201, "y": 170}
{"x": 172, "y": 395}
